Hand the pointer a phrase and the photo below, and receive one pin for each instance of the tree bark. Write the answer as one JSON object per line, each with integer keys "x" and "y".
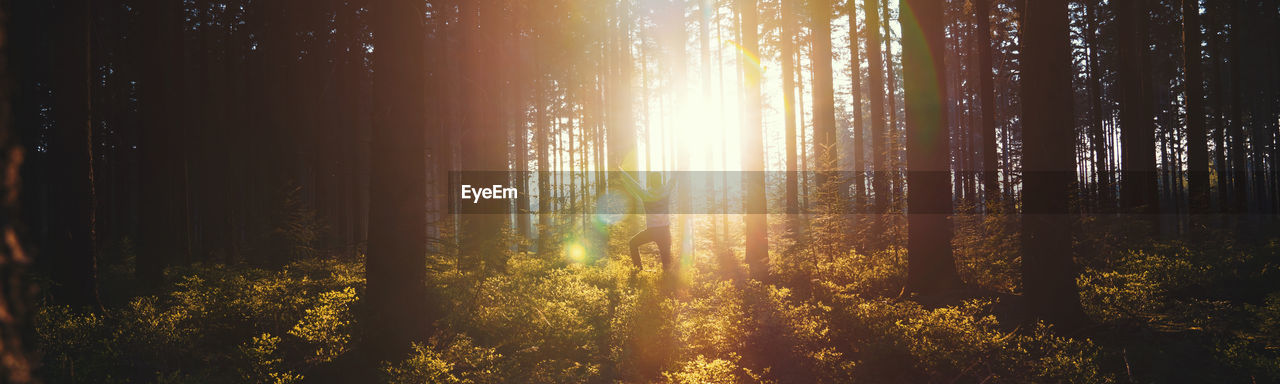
{"x": 875, "y": 89}
{"x": 855, "y": 76}
{"x": 17, "y": 335}
{"x": 72, "y": 244}
{"x": 1197, "y": 148}
{"x": 757, "y": 240}
{"x": 395, "y": 267}
{"x": 824, "y": 118}
{"x": 786, "y": 44}
{"x": 986, "y": 94}
{"x": 1048, "y": 270}
{"x": 1138, "y": 189}
{"x": 931, "y": 267}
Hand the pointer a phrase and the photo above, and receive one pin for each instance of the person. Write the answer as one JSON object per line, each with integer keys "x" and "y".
{"x": 656, "y": 201}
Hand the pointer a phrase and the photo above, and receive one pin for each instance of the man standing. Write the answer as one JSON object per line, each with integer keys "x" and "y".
{"x": 656, "y": 201}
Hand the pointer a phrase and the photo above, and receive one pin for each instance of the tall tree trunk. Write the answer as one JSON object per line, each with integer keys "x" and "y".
{"x": 986, "y": 95}
{"x": 395, "y": 267}
{"x": 75, "y": 266}
{"x": 483, "y": 141}
{"x": 802, "y": 149}
{"x": 17, "y": 335}
{"x": 1097, "y": 132}
{"x": 520, "y": 76}
{"x": 1048, "y": 271}
{"x": 1198, "y": 150}
{"x": 158, "y": 142}
{"x": 786, "y": 44}
{"x": 1239, "y": 173}
{"x": 931, "y": 266}
{"x": 824, "y": 117}
{"x": 543, "y": 131}
{"x": 757, "y": 240}
{"x": 892, "y": 156}
{"x": 1138, "y": 190}
{"x": 855, "y": 78}
{"x": 875, "y": 88}
{"x": 1217, "y": 97}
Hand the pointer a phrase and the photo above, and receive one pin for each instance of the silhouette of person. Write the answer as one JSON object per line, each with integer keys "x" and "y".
{"x": 656, "y": 201}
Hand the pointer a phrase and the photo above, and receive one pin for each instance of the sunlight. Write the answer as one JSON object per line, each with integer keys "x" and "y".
{"x": 575, "y": 252}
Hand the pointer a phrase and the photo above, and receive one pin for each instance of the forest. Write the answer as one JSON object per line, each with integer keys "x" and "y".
{"x": 639, "y": 191}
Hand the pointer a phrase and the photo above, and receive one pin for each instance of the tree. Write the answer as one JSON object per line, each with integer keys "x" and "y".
{"x": 875, "y": 89}
{"x": 931, "y": 267}
{"x": 1138, "y": 192}
{"x": 17, "y": 336}
{"x": 824, "y": 118}
{"x": 757, "y": 240}
{"x": 395, "y": 267}
{"x": 855, "y": 78}
{"x": 986, "y": 95}
{"x": 1198, "y": 150}
{"x": 71, "y": 244}
{"x": 1097, "y": 131}
{"x": 484, "y": 145}
{"x": 160, "y": 141}
{"x": 1048, "y": 271}
{"x": 786, "y": 45}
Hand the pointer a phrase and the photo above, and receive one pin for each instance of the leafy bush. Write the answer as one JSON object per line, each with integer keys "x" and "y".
{"x": 549, "y": 318}
{"x": 456, "y": 362}
{"x": 217, "y": 324}
{"x": 712, "y": 371}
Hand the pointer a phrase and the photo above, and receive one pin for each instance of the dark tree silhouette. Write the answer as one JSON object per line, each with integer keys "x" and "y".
{"x": 1197, "y": 147}
{"x": 484, "y": 146}
{"x": 824, "y": 118}
{"x": 71, "y": 245}
{"x": 875, "y": 89}
{"x": 858, "y": 153}
{"x": 17, "y": 360}
{"x": 1138, "y": 193}
{"x": 159, "y": 141}
{"x": 986, "y": 95}
{"x": 787, "y": 53}
{"x": 1048, "y": 271}
{"x": 931, "y": 267}
{"x": 395, "y": 266}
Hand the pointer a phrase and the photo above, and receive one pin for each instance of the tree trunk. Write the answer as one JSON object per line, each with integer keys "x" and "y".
{"x": 786, "y": 44}
{"x": 891, "y": 154}
{"x": 71, "y": 247}
{"x": 1138, "y": 190}
{"x": 1097, "y": 132}
{"x": 931, "y": 267}
{"x": 483, "y": 141}
{"x": 1048, "y": 271}
{"x": 395, "y": 267}
{"x": 1239, "y": 173}
{"x": 824, "y": 118}
{"x": 757, "y": 241}
{"x": 855, "y": 76}
{"x": 875, "y": 88}
{"x": 986, "y": 94}
{"x": 17, "y": 335}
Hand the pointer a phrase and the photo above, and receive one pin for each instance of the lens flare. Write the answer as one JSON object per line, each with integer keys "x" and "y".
{"x": 575, "y": 252}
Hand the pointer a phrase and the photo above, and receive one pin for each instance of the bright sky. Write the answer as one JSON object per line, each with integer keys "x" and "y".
{"x": 712, "y": 125}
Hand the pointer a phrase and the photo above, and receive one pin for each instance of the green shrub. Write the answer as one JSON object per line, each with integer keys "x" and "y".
{"x": 455, "y": 362}
{"x": 217, "y": 324}
{"x": 702, "y": 370}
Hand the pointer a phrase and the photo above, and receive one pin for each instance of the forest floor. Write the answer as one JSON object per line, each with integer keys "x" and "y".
{"x": 1162, "y": 311}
